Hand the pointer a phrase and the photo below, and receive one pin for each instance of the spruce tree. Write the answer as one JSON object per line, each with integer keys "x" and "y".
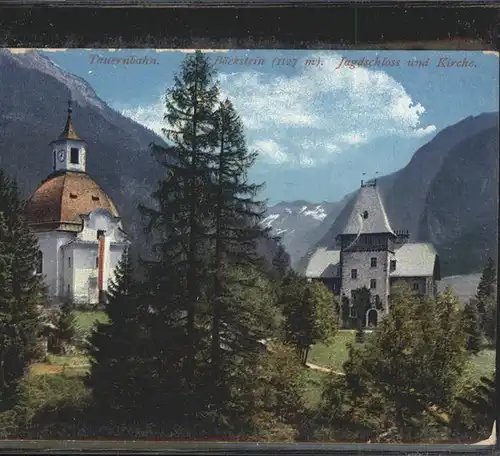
{"x": 486, "y": 291}
{"x": 180, "y": 225}
{"x": 21, "y": 292}
{"x": 236, "y": 230}
{"x": 118, "y": 351}
{"x": 472, "y": 327}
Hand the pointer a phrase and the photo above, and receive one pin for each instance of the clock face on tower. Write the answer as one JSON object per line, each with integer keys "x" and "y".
{"x": 61, "y": 155}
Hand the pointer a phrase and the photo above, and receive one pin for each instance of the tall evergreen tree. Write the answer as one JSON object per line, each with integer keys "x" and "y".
{"x": 180, "y": 226}
{"x": 486, "y": 291}
{"x": 118, "y": 350}
{"x": 21, "y": 292}
{"x": 237, "y": 216}
{"x": 472, "y": 328}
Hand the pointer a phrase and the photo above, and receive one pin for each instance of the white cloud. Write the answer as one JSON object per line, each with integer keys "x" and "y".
{"x": 151, "y": 116}
{"x": 270, "y": 150}
{"x": 319, "y": 112}
{"x": 325, "y": 110}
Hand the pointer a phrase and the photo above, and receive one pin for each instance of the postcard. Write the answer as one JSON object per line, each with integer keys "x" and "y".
{"x": 248, "y": 245}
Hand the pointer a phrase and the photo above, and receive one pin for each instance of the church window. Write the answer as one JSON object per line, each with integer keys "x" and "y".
{"x": 39, "y": 262}
{"x": 393, "y": 265}
{"x": 373, "y": 262}
{"x": 373, "y": 284}
{"x": 74, "y": 156}
{"x": 95, "y": 198}
{"x": 354, "y": 273}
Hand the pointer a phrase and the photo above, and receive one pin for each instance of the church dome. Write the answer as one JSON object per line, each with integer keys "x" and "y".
{"x": 60, "y": 200}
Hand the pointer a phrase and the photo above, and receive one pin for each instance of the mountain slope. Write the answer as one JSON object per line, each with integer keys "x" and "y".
{"x": 461, "y": 211}
{"x": 407, "y": 194}
{"x": 296, "y": 223}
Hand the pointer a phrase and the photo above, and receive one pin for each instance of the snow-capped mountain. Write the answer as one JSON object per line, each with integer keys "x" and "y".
{"x": 297, "y": 222}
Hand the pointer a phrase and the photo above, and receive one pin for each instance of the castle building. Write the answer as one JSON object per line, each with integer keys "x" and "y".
{"x": 80, "y": 233}
{"x": 368, "y": 253}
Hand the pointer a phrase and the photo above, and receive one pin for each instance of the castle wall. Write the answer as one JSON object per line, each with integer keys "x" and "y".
{"x": 361, "y": 261}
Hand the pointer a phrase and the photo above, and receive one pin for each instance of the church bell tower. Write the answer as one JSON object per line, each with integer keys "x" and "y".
{"x": 69, "y": 150}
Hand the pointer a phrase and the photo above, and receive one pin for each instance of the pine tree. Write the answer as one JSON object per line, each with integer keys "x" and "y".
{"x": 472, "y": 327}
{"x": 21, "y": 292}
{"x": 486, "y": 291}
{"x": 281, "y": 261}
{"x": 180, "y": 226}
{"x": 118, "y": 351}
{"x": 237, "y": 216}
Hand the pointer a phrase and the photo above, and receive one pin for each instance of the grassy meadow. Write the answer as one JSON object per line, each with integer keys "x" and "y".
{"x": 331, "y": 356}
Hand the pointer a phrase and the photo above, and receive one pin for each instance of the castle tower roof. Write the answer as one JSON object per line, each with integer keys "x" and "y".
{"x": 368, "y": 215}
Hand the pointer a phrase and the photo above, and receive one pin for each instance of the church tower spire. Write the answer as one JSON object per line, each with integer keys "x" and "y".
{"x": 69, "y": 150}
{"x": 69, "y": 131}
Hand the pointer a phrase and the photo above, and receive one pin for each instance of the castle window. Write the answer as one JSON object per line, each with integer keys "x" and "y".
{"x": 416, "y": 287}
{"x": 354, "y": 273}
{"x": 352, "y": 312}
{"x": 39, "y": 262}
{"x": 69, "y": 262}
{"x": 69, "y": 289}
{"x": 373, "y": 284}
{"x": 373, "y": 262}
{"x": 74, "y": 156}
{"x": 365, "y": 214}
{"x": 393, "y": 265}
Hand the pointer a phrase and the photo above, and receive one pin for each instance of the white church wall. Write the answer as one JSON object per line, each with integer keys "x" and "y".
{"x": 50, "y": 244}
{"x": 84, "y": 277}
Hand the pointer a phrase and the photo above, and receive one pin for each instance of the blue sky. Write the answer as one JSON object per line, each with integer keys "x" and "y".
{"x": 317, "y": 128}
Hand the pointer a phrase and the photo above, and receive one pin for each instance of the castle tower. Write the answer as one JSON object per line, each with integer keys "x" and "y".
{"x": 367, "y": 251}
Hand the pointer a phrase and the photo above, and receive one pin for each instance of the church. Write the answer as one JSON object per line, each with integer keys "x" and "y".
{"x": 79, "y": 231}
{"x": 370, "y": 254}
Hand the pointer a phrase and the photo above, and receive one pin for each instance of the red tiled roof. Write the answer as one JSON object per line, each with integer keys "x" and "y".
{"x": 62, "y": 198}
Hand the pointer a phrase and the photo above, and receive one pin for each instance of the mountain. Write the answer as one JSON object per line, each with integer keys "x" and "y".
{"x": 419, "y": 197}
{"x": 297, "y": 222}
